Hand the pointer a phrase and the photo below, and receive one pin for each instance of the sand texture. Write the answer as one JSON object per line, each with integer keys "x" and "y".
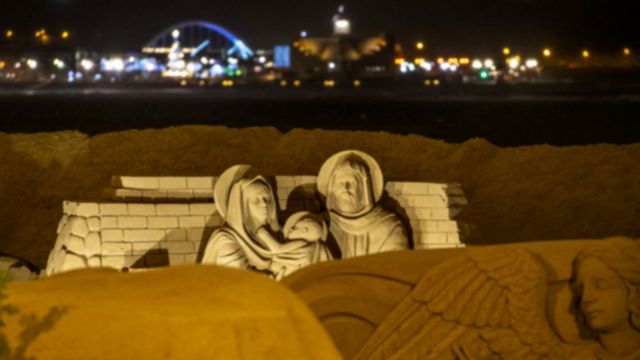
{"x": 515, "y": 194}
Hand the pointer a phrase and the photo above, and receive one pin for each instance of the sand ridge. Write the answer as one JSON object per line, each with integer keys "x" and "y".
{"x": 515, "y": 194}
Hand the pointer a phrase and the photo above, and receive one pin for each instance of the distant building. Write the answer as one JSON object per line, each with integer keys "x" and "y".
{"x": 342, "y": 55}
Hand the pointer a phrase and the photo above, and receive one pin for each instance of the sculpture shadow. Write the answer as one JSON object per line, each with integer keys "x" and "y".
{"x": 34, "y": 327}
{"x": 391, "y": 204}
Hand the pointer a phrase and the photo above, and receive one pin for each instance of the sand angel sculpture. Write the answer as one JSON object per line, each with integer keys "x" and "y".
{"x": 250, "y": 237}
{"x": 352, "y": 183}
{"x": 491, "y": 305}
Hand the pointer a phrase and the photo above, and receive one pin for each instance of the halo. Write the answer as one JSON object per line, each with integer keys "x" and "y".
{"x": 223, "y": 186}
{"x": 377, "y": 179}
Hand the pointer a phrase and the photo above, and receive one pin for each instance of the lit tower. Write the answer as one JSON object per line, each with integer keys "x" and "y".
{"x": 341, "y": 25}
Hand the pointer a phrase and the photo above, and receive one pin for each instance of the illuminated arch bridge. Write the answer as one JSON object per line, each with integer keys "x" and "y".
{"x": 198, "y": 37}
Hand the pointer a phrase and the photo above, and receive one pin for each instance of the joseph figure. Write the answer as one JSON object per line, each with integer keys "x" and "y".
{"x": 352, "y": 184}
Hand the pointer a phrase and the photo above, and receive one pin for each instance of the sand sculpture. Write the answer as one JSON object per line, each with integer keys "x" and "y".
{"x": 250, "y": 237}
{"x": 352, "y": 184}
{"x": 150, "y": 222}
{"x": 557, "y": 300}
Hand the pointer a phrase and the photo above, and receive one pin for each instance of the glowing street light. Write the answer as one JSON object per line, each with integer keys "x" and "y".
{"x": 64, "y": 35}
{"x": 626, "y": 51}
{"x": 9, "y": 34}
{"x": 546, "y": 52}
{"x": 586, "y": 54}
{"x": 419, "y": 45}
{"x": 87, "y": 64}
{"x": 506, "y": 51}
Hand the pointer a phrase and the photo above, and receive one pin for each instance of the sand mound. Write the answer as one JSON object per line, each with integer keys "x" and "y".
{"x": 197, "y": 312}
{"x": 515, "y": 194}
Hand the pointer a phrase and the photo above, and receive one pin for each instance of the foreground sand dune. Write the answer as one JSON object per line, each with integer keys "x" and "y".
{"x": 198, "y": 312}
{"x": 515, "y": 194}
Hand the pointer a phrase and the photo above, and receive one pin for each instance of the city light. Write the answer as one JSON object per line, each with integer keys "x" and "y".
{"x": 58, "y": 63}
{"x": 399, "y": 61}
{"x": 303, "y": 34}
{"x": 356, "y": 83}
{"x": 427, "y": 82}
{"x": 2, "y": 64}
{"x": 9, "y": 34}
{"x": 419, "y": 45}
{"x": 626, "y": 51}
{"x": 32, "y": 64}
{"x": 513, "y": 62}
{"x": 488, "y": 63}
{"x": 464, "y": 61}
{"x": 506, "y": 51}
{"x": 175, "y": 34}
{"x": 436, "y": 82}
{"x": 283, "y": 83}
{"x": 331, "y": 65}
{"x": 531, "y": 63}
{"x": 296, "y": 83}
{"x": 329, "y": 83}
{"x": 418, "y": 60}
{"x": 64, "y": 35}
{"x": 87, "y": 65}
{"x": 227, "y": 83}
{"x": 476, "y": 64}
{"x": 546, "y": 52}
{"x": 586, "y": 54}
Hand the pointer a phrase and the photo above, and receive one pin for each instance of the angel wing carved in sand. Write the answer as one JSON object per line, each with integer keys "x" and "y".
{"x": 484, "y": 305}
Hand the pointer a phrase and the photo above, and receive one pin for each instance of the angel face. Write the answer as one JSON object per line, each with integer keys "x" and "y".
{"x": 306, "y": 229}
{"x": 348, "y": 190}
{"x": 604, "y": 296}
{"x": 259, "y": 202}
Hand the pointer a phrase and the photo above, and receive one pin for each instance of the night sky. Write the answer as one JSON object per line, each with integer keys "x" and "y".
{"x": 446, "y": 26}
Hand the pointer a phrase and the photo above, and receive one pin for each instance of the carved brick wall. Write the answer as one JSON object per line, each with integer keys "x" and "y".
{"x": 160, "y": 221}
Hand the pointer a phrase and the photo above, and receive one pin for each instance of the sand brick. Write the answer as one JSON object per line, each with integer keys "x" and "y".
{"x": 200, "y": 182}
{"x": 176, "y": 259}
{"x": 429, "y": 201}
{"x": 423, "y": 214}
{"x": 111, "y": 235}
{"x": 285, "y": 181}
{"x": 178, "y": 247}
{"x": 163, "y": 222}
{"x": 93, "y": 223}
{"x": 154, "y": 194}
{"x": 78, "y": 226}
{"x": 191, "y": 221}
{"x": 132, "y": 222}
{"x": 176, "y": 235}
{"x": 203, "y": 194}
{"x": 144, "y": 235}
{"x": 93, "y": 244}
{"x": 172, "y": 209}
{"x": 436, "y": 238}
{"x": 119, "y": 262}
{"x": 453, "y": 238}
{"x": 138, "y": 182}
{"x": 440, "y": 214}
{"x": 128, "y": 194}
{"x": 190, "y": 258}
{"x": 195, "y": 235}
{"x": 116, "y": 248}
{"x": 109, "y": 222}
{"x": 114, "y": 209}
{"x": 142, "y": 209}
{"x": 305, "y": 179}
{"x": 141, "y": 248}
{"x": 172, "y": 182}
{"x": 438, "y": 189}
{"x": 415, "y": 188}
{"x": 202, "y": 209}
{"x": 87, "y": 209}
{"x": 441, "y": 246}
{"x": 448, "y": 226}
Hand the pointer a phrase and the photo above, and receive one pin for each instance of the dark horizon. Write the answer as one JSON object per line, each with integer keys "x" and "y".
{"x": 446, "y": 27}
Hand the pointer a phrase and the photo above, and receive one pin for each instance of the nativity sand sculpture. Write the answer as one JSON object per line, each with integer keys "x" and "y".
{"x": 250, "y": 237}
{"x": 491, "y": 305}
{"x": 352, "y": 184}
